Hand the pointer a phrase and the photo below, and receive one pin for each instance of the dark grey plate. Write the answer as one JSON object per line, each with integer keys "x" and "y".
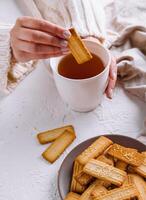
{"x": 65, "y": 172}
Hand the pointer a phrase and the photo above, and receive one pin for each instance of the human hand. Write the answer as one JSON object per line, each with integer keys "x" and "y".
{"x": 112, "y": 72}
{"x": 112, "y": 79}
{"x": 32, "y": 38}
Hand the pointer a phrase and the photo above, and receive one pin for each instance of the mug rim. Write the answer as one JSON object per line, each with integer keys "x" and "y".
{"x": 85, "y": 79}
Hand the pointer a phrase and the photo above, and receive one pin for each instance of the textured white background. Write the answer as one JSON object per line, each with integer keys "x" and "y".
{"x": 36, "y": 106}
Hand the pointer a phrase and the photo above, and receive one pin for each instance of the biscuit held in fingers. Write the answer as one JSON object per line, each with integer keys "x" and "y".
{"x": 128, "y": 155}
{"x": 140, "y": 185}
{"x": 105, "y": 172}
{"x": 58, "y": 146}
{"x": 72, "y": 196}
{"x": 122, "y": 193}
{"x": 78, "y": 48}
{"x": 75, "y": 186}
{"x": 51, "y": 135}
{"x": 94, "y": 150}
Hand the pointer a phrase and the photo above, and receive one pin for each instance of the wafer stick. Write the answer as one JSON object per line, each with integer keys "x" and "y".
{"x": 140, "y": 185}
{"x": 121, "y": 165}
{"x": 123, "y": 193}
{"x": 58, "y": 146}
{"x": 106, "y": 160}
{"x": 51, "y": 135}
{"x": 87, "y": 194}
{"x": 78, "y": 48}
{"x": 94, "y": 150}
{"x": 72, "y": 196}
{"x": 144, "y": 153}
{"x": 83, "y": 178}
{"x": 114, "y": 160}
{"x": 141, "y": 170}
{"x": 105, "y": 172}
{"x": 75, "y": 186}
{"x": 127, "y": 181}
{"x": 128, "y": 155}
{"x": 98, "y": 191}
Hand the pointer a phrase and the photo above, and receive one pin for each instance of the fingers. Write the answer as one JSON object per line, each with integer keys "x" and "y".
{"x": 44, "y": 26}
{"x": 40, "y": 37}
{"x": 25, "y": 51}
{"x": 112, "y": 79}
{"x": 36, "y": 36}
{"x": 35, "y": 48}
{"x": 113, "y": 69}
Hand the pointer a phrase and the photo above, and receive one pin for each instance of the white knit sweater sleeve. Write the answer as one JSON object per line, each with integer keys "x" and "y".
{"x": 11, "y": 73}
{"x": 5, "y": 57}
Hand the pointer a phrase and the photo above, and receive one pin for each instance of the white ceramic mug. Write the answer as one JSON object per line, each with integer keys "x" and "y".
{"x": 83, "y": 95}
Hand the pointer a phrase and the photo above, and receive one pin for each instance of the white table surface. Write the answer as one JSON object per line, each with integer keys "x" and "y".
{"x": 36, "y": 106}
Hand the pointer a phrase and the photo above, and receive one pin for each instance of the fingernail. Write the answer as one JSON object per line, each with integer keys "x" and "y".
{"x": 110, "y": 93}
{"x": 64, "y": 43}
{"x": 66, "y": 34}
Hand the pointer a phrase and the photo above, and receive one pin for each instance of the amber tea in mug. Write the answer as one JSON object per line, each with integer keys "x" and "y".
{"x": 82, "y": 86}
{"x": 69, "y": 68}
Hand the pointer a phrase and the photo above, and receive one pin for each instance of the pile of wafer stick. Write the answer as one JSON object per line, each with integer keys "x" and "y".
{"x": 108, "y": 171}
{"x": 60, "y": 139}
